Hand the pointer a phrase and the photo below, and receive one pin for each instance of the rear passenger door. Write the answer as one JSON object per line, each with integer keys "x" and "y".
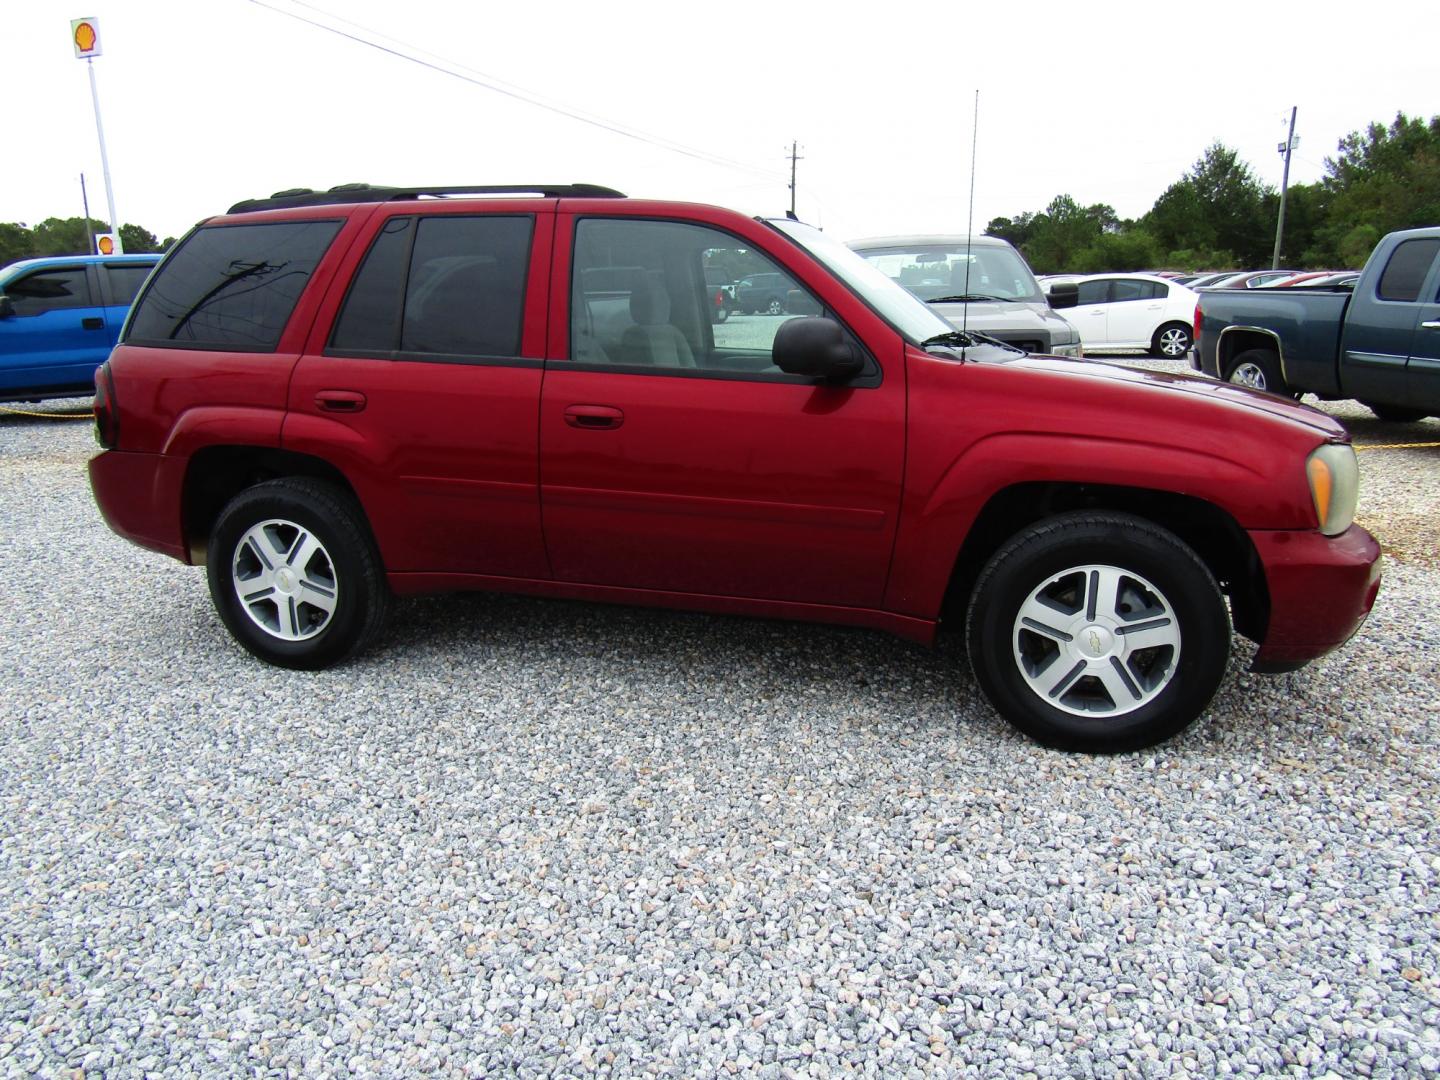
{"x": 1383, "y": 327}
{"x": 1422, "y": 374}
{"x": 56, "y": 337}
{"x": 421, "y": 382}
{"x": 1136, "y": 310}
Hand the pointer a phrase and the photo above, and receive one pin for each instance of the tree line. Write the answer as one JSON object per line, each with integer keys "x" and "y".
{"x": 1219, "y": 215}
{"x": 66, "y": 236}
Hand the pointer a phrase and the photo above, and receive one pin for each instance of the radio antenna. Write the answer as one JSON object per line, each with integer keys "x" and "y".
{"x": 970, "y": 221}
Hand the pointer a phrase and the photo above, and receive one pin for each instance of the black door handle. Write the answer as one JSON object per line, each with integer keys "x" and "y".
{"x": 92, "y": 322}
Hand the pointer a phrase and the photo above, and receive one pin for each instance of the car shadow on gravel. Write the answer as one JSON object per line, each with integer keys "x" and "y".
{"x": 877, "y": 680}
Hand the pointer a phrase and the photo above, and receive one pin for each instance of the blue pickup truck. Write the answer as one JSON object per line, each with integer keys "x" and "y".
{"x": 1379, "y": 344}
{"x": 59, "y": 318}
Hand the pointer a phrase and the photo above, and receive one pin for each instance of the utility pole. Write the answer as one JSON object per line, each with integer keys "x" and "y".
{"x": 89, "y": 232}
{"x": 1286, "y": 148}
{"x": 794, "y": 157}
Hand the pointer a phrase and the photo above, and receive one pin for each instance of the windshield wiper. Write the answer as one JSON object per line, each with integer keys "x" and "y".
{"x": 966, "y": 339}
{"x": 961, "y": 298}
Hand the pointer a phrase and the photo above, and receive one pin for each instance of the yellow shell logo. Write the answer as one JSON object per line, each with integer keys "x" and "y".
{"x": 106, "y": 245}
{"x": 85, "y": 37}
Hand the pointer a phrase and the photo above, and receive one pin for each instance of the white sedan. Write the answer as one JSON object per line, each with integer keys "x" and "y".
{"x": 1118, "y": 312}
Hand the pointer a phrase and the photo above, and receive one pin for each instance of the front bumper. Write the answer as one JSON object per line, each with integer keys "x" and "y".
{"x": 1321, "y": 590}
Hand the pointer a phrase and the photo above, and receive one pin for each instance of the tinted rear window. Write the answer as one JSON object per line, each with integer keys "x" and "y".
{"x": 442, "y": 286}
{"x": 1406, "y": 270}
{"x": 125, "y": 281}
{"x": 231, "y": 286}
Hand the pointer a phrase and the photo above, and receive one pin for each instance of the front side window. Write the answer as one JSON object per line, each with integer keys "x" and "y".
{"x": 49, "y": 290}
{"x": 1407, "y": 269}
{"x": 657, "y": 294}
{"x": 444, "y": 286}
{"x": 231, "y": 286}
{"x": 1093, "y": 292}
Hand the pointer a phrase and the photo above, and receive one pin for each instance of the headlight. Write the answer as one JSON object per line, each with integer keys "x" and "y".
{"x": 1334, "y": 477}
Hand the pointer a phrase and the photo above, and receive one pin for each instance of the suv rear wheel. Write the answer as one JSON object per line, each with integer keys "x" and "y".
{"x": 1098, "y": 632}
{"x": 294, "y": 573}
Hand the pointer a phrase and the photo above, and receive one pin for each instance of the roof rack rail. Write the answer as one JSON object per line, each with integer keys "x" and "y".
{"x": 358, "y": 193}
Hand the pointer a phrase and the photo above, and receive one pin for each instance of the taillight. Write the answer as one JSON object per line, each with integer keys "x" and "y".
{"x": 107, "y": 420}
{"x": 1195, "y": 334}
{"x": 719, "y": 298}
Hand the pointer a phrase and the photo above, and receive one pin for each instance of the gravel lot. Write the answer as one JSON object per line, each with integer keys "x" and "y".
{"x": 540, "y": 838}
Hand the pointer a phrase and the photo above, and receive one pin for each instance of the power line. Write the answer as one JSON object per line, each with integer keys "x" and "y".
{"x": 408, "y": 52}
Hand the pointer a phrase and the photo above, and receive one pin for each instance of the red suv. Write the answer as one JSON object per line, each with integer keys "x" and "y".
{"x": 329, "y": 398}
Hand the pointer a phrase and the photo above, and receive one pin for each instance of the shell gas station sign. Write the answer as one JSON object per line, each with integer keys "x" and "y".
{"x": 85, "y": 35}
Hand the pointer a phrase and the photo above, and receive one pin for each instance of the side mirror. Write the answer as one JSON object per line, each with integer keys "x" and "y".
{"x": 815, "y": 347}
{"x": 7, "y": 309}
{"x": 1063, "y": 296}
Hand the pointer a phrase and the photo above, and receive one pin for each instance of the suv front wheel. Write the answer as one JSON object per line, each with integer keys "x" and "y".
{"x": 294, "y": 573}
{"x": 1098, "y": 632}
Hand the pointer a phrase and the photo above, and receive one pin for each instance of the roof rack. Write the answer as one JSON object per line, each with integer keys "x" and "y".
{"x": 358, "y": 193}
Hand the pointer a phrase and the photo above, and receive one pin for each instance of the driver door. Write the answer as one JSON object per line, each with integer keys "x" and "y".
{"x": 674, "y": 457}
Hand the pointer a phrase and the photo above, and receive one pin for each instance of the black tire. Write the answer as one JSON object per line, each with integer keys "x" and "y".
{"x": 1172, "y": 341}
{"x": 1259, "y": 369}
{"x": 1161, "y": 588}
{"x": 303, "y": 514}
{"x": 775, "y": 306}
{"x": 1394, "y": 414}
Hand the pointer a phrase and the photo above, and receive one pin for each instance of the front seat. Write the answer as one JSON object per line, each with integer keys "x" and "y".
{"x": 653, "y": 341}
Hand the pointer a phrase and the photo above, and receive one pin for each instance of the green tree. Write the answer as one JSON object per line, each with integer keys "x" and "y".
{"x": 64, "y": 236}
{"x": 14, "y": 242}
{"x": 138, "y": 241}
{"x": 1063, "y": 230}
{"x": 1218, "y": 205}
{"x": 1384, "y": 178}
{"x": 1017, "y": 231}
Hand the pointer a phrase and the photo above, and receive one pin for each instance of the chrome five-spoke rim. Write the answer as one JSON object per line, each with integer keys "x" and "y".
{"x": 1174, "y": 341}
{"x": 1248, "y": 374}
{"x": 285, "y": 580}
{"x": 1096, "y": 641}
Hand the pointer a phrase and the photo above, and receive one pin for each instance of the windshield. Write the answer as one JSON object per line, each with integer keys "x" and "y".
{"x": 936, "y": 272}
{"x": 896, "y": 306}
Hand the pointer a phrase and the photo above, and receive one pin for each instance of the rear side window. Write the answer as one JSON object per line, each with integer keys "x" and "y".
{"x": 448, "y": 286}
{"x": 125, "y": 281}
{"x": 1405, "y": 272}
{"x": 49, "y": 290}
{"x": 231, "y": 287}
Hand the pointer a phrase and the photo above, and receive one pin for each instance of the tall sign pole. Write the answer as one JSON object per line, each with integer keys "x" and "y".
{"x": 1286, "y": 148}
{"x": 85, "y": 36}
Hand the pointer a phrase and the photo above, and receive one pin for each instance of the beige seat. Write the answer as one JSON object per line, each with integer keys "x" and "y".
{"x": 653, "y": 341}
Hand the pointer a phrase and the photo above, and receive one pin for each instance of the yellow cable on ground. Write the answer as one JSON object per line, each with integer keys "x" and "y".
{"x": 50, "y": 415}
{"x": 1397, "y": 446}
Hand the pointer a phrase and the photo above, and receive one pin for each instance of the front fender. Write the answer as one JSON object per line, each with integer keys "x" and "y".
{"x": 935, "y": 522}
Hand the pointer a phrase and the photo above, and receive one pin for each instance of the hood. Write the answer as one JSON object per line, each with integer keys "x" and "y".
{"x": 988, "y": 316}
{"x": 1227, "y": 394}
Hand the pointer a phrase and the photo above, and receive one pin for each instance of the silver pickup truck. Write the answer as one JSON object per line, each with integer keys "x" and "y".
{"x": 1379, "y": 344}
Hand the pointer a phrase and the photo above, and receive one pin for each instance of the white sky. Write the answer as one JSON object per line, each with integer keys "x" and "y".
{"x": 206, "y": 102}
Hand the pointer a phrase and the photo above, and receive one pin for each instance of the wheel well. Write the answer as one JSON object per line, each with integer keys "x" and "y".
{"x": 1213, "y": 534}
{"x": 218, "y": 473}
{"x": 1234, "y": 342}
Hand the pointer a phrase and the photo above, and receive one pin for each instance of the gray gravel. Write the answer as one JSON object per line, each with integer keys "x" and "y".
{"x": 538, "y": 838}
